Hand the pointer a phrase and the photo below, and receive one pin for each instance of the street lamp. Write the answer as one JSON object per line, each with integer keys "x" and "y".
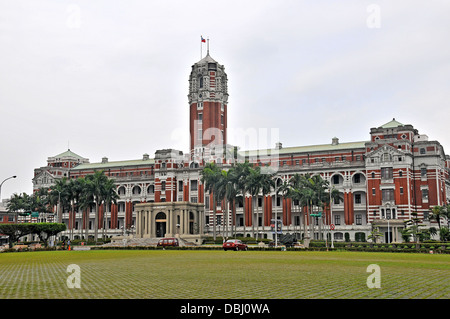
{"x": 2, "y": 184}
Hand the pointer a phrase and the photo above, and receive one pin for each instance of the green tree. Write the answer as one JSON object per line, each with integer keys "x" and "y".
{"x": 267, "y": 186}
{"x": 240, "y": 174}
{"x": 444, "y": 233}
{"x": 211, "y": 175}
{"x": 374, "y": 234}
{"x": 15, "y": 231}
{"x": 110, "y": 197}
{"x": 46, "y": 230}
{"x": 253, "y": 183}
{"x": 414, "y": 225}
{"x": 59, "y": 197}
{"x": 437, "y": 212}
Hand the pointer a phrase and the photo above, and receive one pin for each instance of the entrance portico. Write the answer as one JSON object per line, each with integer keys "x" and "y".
{"x": 390, "y": 230}
{"x": 170, "y": 219}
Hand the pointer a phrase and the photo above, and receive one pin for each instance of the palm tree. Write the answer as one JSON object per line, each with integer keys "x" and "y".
{"x": 85, "y": 202}
{"x": 211, "y": 175}
{"x": 111, "y": 197}
{"x": 240, "y": 175}
{"x": 232, "y": 193}
{"x": 436, "y": 213}
{"x": 285, "y": 190}
{"x": 75, "y": 190}
{"x": 267, "y": 184}
{"x": 15, "y": 205}
{"x": 59, "y": 197}
{"x": 253, "y": 182}
{"x": 96, "y": 187}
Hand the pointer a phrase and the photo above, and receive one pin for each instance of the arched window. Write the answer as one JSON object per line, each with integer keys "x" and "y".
{"x": 121, "y": 190}
{"x": 136, "y": 190}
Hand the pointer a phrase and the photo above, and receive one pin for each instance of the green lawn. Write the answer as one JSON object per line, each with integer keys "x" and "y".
{"x": 221, "y": 275}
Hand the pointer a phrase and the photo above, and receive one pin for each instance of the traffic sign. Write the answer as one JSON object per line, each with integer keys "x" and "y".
{"x": 332, "y": 226}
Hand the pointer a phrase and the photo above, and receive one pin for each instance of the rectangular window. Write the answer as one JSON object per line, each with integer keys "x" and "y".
{"x": 180, "y": 186}
{"x": 386, "y": 173}
{"x": 358, "y": 219}
{"x": 194, "y": 185}
{"x": 357, "y": 198}
{"x": 193, "y": 199}
{"x": 163, "y": 185}
{"x": 423, "y": 172}
{"x": 337, "y": 219}
{"x": 336, "y": 179}
{"x": 425, "y": 194}
{"x": 401, "y": 190}
{"x": 387, "y": 194}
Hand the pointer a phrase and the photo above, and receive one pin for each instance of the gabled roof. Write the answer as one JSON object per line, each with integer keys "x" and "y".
{"x": 392, "y": 124}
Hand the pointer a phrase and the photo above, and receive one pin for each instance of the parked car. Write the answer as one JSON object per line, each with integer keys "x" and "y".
{"x": 168, "y": 242}
{"x": 234, "y": 244}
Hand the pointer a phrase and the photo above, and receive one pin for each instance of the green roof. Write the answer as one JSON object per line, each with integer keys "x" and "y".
{"x": 68, "y": 153}
{"x": 307, "y": 149}
{"x": 392, "y": 124}
{"x": 93, "y": 166}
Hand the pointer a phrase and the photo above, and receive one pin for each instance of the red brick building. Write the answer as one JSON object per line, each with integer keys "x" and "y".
{"x": 395, "y": 172}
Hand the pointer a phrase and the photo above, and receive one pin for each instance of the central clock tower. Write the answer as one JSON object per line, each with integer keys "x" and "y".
{"x": 208, "y": 97}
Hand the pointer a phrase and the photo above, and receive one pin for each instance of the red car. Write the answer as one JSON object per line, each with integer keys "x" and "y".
{"x": 234, "y": 244}
{"x": 168, "y": 242}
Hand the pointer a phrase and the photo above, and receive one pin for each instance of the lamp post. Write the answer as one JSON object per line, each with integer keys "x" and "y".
{"x": 2, "y": 184}
{"x": 388, "y": 232}
{"x": 331, "y": 217}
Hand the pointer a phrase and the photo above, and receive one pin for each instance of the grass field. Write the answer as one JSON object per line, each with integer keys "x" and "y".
{"x": 173, "y": 274}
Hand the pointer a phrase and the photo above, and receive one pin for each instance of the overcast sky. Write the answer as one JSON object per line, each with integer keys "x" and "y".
{"x": 110, "y": 78}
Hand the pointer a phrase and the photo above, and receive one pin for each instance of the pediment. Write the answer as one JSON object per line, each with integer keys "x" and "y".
{"x": 385, "y": 149}
{"x": 44, "y": 177}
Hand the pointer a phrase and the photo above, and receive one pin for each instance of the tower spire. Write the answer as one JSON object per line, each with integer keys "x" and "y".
{"x": 207, "y": 47}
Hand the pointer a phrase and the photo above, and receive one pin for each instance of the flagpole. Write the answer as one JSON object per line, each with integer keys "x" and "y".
{"x": 201, "y": 37}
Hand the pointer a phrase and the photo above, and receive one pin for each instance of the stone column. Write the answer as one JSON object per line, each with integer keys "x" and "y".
{"x": 152, "y": 224}
{"x": 168, "y": 223}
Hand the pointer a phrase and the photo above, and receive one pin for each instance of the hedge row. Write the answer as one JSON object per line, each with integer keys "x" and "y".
{"x": 365, "y": 245}
{"x": 361, "y": 249}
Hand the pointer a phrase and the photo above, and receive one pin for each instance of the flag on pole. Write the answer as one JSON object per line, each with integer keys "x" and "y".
{"x": 203, "y": 40}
